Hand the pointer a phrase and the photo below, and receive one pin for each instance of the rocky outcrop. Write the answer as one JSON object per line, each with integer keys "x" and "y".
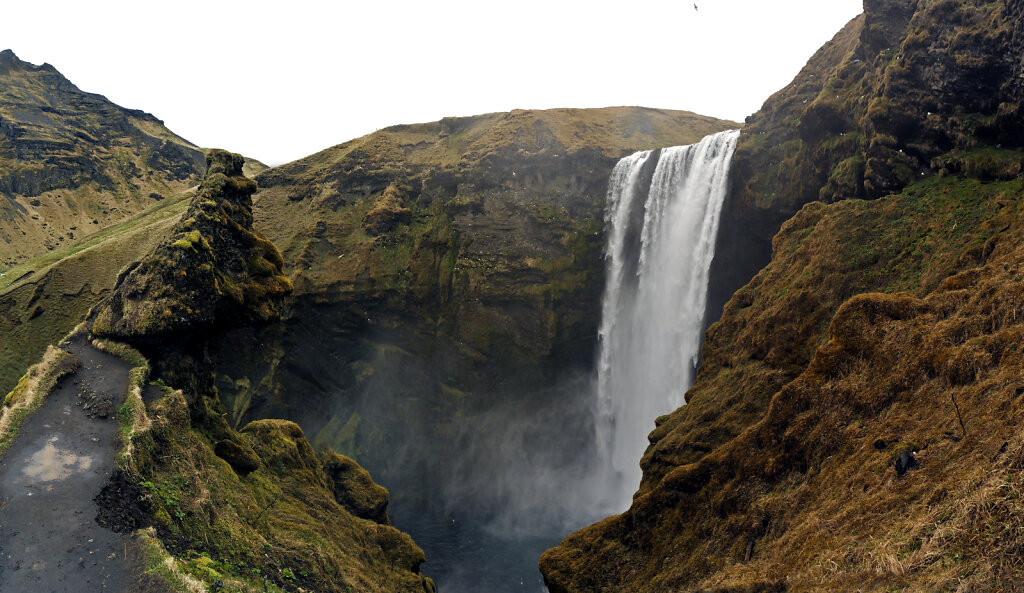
{"x": 387, "y": 212}
{"x": 871, "y": 112}
{"x": 213, "y": 269}
{"x": 354, "y": 489}
{"x": 213, "y": 273}
{"x": 859, "y": 344}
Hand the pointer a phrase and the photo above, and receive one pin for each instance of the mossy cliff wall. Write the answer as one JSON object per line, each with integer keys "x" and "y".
{"x": 853, "y": 423}
{"x": 439, "y": 269}
{"x": 891, "y": 99}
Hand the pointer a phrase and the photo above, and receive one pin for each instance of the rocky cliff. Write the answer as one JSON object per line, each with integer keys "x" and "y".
{"x": 233, "y": 507}
{"x": 439, "y": 269}
{"x": 904, "y": 91}
{"x": 72, "y": 163}
{"x": 449, "y": 266}
{"x": 851, "y": 426}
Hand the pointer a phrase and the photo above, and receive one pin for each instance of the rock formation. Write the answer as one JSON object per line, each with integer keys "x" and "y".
{"x": 214, "y": 269}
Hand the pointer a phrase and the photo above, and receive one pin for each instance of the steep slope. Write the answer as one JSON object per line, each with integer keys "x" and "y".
{"x": 787, "y": 470}
{"x": 215, "y": 507}
{"x": 45, "y": 298}
{"x": 72, "y": 163}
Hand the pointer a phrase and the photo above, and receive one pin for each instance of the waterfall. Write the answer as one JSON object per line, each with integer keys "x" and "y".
{"x": 658, "y": 254}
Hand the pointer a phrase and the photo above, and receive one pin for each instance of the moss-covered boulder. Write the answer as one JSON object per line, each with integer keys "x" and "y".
{"x": 238, "y": 453}
{"x": 281, "y": 445}
{"x": 214, "y": 269}
{"x": 354, "y": 489}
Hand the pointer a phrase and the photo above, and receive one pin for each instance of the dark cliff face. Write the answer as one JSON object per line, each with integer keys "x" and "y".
{"x": 72, "y": 162}
{"x": 440, "y": 270}
{"x": 899, "y": 86}
{"x": 874, "y": 110}
{"x": 858, "y": 350}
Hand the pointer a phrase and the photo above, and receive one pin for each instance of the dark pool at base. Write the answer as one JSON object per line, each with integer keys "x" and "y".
{"x": 463, "y": 557}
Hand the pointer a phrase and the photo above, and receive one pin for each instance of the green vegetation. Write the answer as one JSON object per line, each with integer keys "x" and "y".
{"x": 42, "y": 300}
{"x": 283, "y": 522}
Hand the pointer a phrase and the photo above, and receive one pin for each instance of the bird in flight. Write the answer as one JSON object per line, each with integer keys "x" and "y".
{"x": 695, "y": 8}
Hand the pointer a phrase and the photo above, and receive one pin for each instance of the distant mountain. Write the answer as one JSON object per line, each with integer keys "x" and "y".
{"x": 72, "y": 162}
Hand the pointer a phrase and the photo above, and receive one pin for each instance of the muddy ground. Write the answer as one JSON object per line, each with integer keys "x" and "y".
{"x": 61, "y": 461}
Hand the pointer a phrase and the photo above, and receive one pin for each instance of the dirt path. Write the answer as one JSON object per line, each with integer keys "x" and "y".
{"x": 63, "y": 457}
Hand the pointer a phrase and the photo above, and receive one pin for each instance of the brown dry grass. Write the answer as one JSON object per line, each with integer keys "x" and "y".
{"x": 811, "y": 480}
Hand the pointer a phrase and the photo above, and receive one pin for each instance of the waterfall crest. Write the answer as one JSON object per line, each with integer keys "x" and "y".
{"x": 658, "y": 254}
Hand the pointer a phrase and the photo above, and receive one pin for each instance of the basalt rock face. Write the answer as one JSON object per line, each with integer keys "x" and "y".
{"x": 453, "y": 266}
{"x": 213, "y": 272}
{"x": 72, "y": 162}
{"x": 899, "y": 87}
{"x": 874, "y": 341}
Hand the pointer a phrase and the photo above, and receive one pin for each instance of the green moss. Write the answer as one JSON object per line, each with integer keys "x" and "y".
{"x": 281, "y": 521}
{"x": 985, "y": 163}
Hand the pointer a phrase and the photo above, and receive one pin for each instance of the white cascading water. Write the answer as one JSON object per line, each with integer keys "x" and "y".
{"x": 659, "y": 251}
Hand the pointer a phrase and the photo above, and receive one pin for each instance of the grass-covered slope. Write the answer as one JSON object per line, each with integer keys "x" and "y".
{"x": 43, "y": 299}
{"x": 72, "y": 163}
{"x": 272, "y": 515}
{"x": 853, "y": 422}
{"x": 877, "y": 328}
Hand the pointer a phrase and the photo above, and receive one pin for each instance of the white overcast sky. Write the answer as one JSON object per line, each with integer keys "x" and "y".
{"x": 280, "y": 80}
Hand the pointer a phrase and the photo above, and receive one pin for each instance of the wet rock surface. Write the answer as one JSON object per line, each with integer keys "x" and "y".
{"x": 62, "y": 459}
